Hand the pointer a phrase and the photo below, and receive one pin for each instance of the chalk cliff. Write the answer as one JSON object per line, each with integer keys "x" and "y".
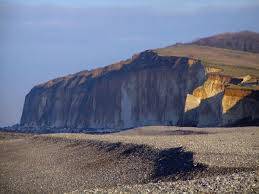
{"x": 147, "y": 89}
{"x": 219, "y": 103}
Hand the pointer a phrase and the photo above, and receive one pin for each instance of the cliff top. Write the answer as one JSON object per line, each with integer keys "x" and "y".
{"x": 137, "y": 61}
{"x": 230, "y": 62}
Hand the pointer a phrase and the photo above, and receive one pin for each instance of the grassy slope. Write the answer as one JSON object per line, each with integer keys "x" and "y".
{"x": 232, "y": 62}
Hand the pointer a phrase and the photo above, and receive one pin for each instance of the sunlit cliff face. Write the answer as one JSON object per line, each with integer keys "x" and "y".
{"x": 232, "y": 97}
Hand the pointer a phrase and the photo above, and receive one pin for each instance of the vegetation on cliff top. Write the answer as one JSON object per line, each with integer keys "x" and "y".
{"x": 231, "y": 62}
{"x": 242, "y": 41}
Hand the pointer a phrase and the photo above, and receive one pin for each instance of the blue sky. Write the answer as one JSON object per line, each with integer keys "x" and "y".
{"x": 43, "y": 39}
{"x": 131, "y": 3}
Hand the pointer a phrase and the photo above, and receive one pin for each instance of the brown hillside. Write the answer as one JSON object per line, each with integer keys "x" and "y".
{"x": 243, "y": 41}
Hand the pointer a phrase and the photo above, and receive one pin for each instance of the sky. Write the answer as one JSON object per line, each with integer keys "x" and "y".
{"x": 45, "y": 39}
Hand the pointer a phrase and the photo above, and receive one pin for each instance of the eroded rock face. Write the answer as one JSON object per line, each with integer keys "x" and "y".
{"x": 240, "y": 107}
{"x": 215, "y": 103}
{"x": 146, "y": 90}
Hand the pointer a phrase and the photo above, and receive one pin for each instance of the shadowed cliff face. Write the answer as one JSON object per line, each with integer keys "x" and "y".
{"x": 146, "y": 90}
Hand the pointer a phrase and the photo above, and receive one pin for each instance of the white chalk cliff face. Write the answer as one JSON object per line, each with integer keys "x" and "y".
{"x": 146, "y": 90}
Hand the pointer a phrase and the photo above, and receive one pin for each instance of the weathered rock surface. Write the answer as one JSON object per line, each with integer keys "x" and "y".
{"x": 148, "y": 89}
{"x": 218, "y": 104}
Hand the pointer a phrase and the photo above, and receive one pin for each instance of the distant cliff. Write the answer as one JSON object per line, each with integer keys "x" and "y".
{"x": 243, "y": 41}
{"x": 148, "y": 89}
